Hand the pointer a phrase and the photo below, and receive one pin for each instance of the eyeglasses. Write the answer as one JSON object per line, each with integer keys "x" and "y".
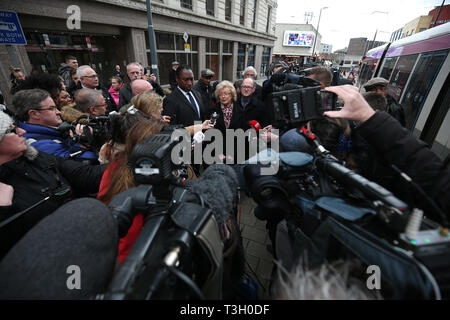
{"x": 225, "y": 94}
{"x": 90, "y": 77}
{"x": 13, "y": 130}
{"x": 49, "y": 108}
{"x": 246, "y": 87}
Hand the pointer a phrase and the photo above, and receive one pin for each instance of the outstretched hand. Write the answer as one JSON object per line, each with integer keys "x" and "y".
{"x": 355, "y": 106}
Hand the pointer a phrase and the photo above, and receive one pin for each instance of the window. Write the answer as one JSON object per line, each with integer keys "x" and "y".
{"x": 186, "y": 4}
{"x": 251, "y": 55}
{"x": 420, "y": 84}
{"x": 265, "y": 61}
{"x": 242, "y": 13}
{"x": 400, "y": 75}
{"x": 255, "y": 4}
{"x": 210, "y": 7}
{"x": 170, "y": 47}
{"x": 228, "y": 10}
{"x": 240, "y": 60}
{"x": 227, "y": 47}
{"x": 388, "y": 67}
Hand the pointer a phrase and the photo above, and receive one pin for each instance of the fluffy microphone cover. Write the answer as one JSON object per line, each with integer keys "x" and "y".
{"x": 217, "y": 186}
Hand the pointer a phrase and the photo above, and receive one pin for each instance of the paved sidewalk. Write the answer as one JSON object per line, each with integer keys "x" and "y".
{"x": 255, "y": 239}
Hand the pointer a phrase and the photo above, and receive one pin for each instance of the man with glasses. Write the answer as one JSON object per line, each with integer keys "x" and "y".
{"x": 250, "y": 107}
{"x": 89, "y": 80}
{"x": 40, "y": 118}
{"x": 135, "y": 71}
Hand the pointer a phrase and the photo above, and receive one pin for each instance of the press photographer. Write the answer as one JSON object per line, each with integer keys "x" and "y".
{"x": 40, "y": 118}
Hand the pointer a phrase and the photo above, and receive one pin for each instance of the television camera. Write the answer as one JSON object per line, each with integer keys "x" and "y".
{"x": 331, "y": 212}
{"x": 94, "y": 134}
{"x": 178, "y": 253}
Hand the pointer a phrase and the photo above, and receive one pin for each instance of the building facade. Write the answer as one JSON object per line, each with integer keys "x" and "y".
{"x": 444, "y": 15}
{"x": 417, "y": 25}
{"x": 223, "y": 35}
{"x": 326, "y": 48}
{"x": 396, "y": 35}
{"x": 296, "y": 42}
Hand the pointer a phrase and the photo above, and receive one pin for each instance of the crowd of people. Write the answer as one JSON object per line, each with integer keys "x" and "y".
{"x": 50, "y": 155}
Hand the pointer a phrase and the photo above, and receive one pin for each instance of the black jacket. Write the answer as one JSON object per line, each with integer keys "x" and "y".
{"x": 46, "y": 176}
{"x": 180, "y": 110}
{"x": 205, "y": 91}
{"x": 125, "y": 93}
{"x": 110, "y": 104}
{"x": 397, "y": 146}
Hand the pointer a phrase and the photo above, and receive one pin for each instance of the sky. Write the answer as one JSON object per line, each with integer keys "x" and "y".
{"x": 345, "y": 19}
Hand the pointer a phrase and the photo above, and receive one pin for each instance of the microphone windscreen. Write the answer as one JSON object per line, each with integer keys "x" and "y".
{"x": 81, "y": 233}
{"x": 217, "y": 186}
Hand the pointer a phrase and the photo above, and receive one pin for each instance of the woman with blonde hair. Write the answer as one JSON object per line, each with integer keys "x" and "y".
{"x": 150, "y": 105}
{"x": 226, "y": 98}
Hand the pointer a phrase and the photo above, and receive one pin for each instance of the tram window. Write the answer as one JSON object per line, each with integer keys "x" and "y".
{"x": 401, "y": 75}
{"x": 421, "y": 82}
{"x": 388, "y": 67}
{"x": 367, "y": 71}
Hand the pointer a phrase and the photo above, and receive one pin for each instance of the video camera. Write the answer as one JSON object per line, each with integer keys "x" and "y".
{"x": 296, "y": 99}
{"x": 96, "y": 131}
{"x": 177, "y": 253}
{"x": 331, "y": 212}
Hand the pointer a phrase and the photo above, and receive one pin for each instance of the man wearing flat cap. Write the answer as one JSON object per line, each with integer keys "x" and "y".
{"x": 204, "y": 87}
{"x": 379, "y": 86}
{"x": 173, "y": 76}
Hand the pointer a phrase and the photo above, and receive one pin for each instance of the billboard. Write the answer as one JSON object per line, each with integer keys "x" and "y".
{"x": 298, "y": 38}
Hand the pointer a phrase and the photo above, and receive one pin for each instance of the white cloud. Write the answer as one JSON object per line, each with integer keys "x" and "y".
{"x": 347, "y": 19}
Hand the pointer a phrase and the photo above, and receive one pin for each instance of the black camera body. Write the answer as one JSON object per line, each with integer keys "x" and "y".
{"x": 297, "y": 99}
{"x": 169, "y": 259}
{"x": 333, "y": 213}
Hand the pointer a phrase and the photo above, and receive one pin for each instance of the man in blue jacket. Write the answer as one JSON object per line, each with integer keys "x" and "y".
{"x": 40, "y": 118}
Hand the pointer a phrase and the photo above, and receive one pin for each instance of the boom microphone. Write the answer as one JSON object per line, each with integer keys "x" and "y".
{"x": 217, "y": 186}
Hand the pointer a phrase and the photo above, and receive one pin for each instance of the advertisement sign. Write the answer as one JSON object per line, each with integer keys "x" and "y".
{"x": 298, "y": 38}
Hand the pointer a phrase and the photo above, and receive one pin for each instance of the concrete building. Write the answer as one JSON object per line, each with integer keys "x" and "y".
{"x": 396, "y": 35}
{"x": 296, "y": 41}
{"x": 326, "y": 48}
{"x": 417, "y": 25}
{"x": 224, "y": 35}
{"x": 444, "y": 15}
{"x": 357, "y": 48}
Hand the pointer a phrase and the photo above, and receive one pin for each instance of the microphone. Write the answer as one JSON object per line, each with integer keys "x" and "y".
{"x": 217, "y": 177}
{"x": 255, "y": 125}
{"x": 198, "y": 138}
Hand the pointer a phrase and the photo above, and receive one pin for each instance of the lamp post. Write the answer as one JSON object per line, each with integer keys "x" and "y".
{"x": 375, "y": 36}
{"x": 152, "y": 41}
{"x": 317, "y": 30}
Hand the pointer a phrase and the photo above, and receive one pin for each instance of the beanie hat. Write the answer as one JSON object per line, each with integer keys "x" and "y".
{"x": 5, "y": 122}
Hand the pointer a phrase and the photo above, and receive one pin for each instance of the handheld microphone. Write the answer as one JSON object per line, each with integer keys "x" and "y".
{"x": 198, "y": 138}
{"x": 255, "y": 125}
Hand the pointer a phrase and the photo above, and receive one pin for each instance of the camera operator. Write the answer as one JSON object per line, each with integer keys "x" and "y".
{"x": 41, "y": 182}
{"x": 40, "y": 118}
{"x": 397, "y": 146}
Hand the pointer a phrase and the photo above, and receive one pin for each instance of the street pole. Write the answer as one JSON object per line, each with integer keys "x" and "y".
{"x": 317, "y": 30}
{"x": 152, "y": 42}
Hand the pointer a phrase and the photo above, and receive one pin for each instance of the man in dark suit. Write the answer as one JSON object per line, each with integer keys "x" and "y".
{"x": 184, "y": 105}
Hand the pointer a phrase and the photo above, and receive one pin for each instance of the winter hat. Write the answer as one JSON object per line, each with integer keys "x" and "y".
{"x": 5, "y": 122}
